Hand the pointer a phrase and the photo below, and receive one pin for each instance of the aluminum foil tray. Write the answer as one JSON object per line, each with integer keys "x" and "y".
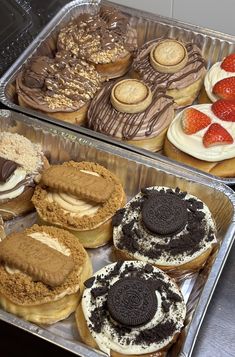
{"x": 214, "y": 47}
{"x": 135, "y": 172}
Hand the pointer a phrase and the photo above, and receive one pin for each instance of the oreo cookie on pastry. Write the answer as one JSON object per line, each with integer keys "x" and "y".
{"x": 130, "y": 308}
{"x": 176, "y": 66}
{"x": 165, "y": 227}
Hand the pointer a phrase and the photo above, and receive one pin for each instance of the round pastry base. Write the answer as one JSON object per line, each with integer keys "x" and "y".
{"x": 186, "y": 96}
{"x": 151, "y": 144}
{"x": 76, "y": 117}
{"x": 17, "y": 206}
{"x": 52, "y": 311}
{"x": 191, "y": 266}
{"x": 115, "y": 69}
{"x": 90, "y": 341}
{"x": 224, "y": 168}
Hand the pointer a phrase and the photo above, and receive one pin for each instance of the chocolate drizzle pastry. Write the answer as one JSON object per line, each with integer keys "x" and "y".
{"x": 164, "y": 226}
{"x": 63, "y": 83}
{"x": 139, "y": 308}
{"x": 104, "y": 118}
{"x": 192, "y": 71}
{"x": 100, "y": 38}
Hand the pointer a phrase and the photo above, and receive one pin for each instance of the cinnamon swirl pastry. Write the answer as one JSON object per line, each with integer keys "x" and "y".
{"x": 42, "y": 271}
{"x": 176, "y": 66}
{"x": 60, "y": 87}
{"x": 106, "y": 40}
{"x": 128, "y": 110}
{"x": 80, "y": 197}
{"x": 170, "y": 229}
{"x": 20, "y": 163}
{"x": 130, "y": 308}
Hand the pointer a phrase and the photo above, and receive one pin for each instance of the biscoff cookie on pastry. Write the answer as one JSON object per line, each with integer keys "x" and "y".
{"x": 128, "y": 110}
{"x": 81, "y": 197}
{"x": 176, "y": 66}
{"x": 131, "y": 308}
{"x": 203, "y": 136}
{"x": 170, "y": 229}
{"x": 42, "y": 271}
{"x": 21, "y": 161}
{"x": 105, "y": 40}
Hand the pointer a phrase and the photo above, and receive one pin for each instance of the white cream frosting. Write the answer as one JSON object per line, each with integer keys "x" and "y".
{"x": 214, "y": 75}
{"x": 107, "y": 340}
{"x": 193, "y": 145}
{"x": 72, "y": 204}
{"x": 18, "y": 175}
{"x": 166, "y": 259}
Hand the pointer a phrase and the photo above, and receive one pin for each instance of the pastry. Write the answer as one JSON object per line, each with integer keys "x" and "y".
{"x": 80, "y": 197}
{"x": 220, "y": 79}
{"x": 42, "y": 271}
{"x": 128, "y": 110}
{"x": 106, "y": 40}
{"x": 203, "y": 136}
{"x": 59, "y": 87}
{"x": 176, "y": 66}
{"x": 21, "y": 162}
{"x": 170, "y": 229}
{"x": 130, "y": 308}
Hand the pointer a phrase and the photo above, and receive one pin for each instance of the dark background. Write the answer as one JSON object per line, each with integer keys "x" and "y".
{"x": 20, "y": 22}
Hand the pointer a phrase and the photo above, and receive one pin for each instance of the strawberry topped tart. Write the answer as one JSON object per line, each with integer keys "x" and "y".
{"x": 220, "y": 79}
{"x": 203, "y": 136}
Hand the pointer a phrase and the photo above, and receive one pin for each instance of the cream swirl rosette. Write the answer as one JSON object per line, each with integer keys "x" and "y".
{"x": 130, "y": 308}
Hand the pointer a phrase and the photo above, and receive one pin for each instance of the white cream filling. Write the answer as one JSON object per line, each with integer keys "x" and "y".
{"x": 214, "y": 75}
{"x": 193, "y": 144}
{"x": 18, "y": 175}
{"x": 166, "y": 258}
{"x": 72, "y": 204}
{"x": 107, "y": 341}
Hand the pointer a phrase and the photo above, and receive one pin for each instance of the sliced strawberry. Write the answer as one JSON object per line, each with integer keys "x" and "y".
{"x": 224, "y": 109}
{"x": 216, "y": 135}
{"x": 228, "y": 63}
{"x": 225, "y": 88}
{"x": 193, "y": 120}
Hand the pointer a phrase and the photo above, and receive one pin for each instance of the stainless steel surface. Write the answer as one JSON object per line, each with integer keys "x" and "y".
{"x": 214, "y": 47}
{"x": 61, "y": 145}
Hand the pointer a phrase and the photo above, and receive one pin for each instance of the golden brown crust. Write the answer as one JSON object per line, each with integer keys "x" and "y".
{"x": 151, "y": 144}
{"x": 115, "y": 69}
{"x": 172, "y": 270}
{"x": 51, "y": 212}
{"x": 203, "y": 97}
{"x": 20, "y": 289}
{"x": 90, "y": 341}
{"x": 224, "y": 168}
{"x": 76, "y": 117}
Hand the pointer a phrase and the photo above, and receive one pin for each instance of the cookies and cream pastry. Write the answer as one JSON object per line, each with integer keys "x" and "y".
{"x": 221, "y": 74}
{"x": 60, "y": 87}
{"x": 105, "y": 39}
{"x": 170, "y": 229}
{"x": 81, "y": 197}
{"x": 203, "y": 136}
{"x": 176, "y": 66}
{"x": 42, "y": 271}
{"x": 21, "y": 162}
{"x": 130, "y": 308}
{"x": 128, "y": 110}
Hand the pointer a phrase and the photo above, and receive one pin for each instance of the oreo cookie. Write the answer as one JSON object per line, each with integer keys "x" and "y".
{"x": 132, "y": 302}
{"x": 164, "y": 213}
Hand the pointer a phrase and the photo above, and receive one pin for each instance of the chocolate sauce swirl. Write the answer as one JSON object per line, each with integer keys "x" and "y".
{"x": 186, "y": 76}
{"x": 104, "y": 118}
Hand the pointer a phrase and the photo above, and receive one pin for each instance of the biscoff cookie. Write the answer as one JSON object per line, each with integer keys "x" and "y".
{"x": 42, "y": 271}
{"x": 80, "y": 208}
